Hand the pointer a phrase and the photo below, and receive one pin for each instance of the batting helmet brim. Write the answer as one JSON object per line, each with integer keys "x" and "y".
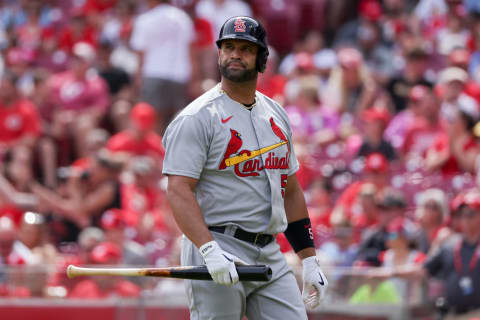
{"x": 240, "y": 37}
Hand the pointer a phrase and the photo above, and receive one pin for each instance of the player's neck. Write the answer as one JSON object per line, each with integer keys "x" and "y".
{"x": 242, "y": 92}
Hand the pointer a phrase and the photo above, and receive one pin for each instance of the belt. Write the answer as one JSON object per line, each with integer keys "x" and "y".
{"x": 257, "y": 239}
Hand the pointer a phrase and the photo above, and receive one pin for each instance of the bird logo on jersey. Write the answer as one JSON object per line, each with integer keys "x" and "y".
{"x": 249, "y": 158}
{"x": 234, "y": 145}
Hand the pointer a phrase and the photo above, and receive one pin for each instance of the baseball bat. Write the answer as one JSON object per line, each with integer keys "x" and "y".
{"x": 245, "y": 273}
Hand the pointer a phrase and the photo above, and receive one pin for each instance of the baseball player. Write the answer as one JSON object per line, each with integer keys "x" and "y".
{"x": 232, "y": 187}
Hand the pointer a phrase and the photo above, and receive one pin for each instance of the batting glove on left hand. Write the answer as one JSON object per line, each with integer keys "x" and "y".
{"x": 314, "y": 282}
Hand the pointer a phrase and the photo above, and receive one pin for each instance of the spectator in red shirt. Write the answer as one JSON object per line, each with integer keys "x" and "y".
{"x": 79, "y": 100}
{"x": 21, "y": 128}
{"x": 456, "y": 151}
{"x": 140, "y": 137}
{"x": 77, "y": 30}
{"x": 19, "y": 119}
{"x": 376, "y": 172}
{"x": 426, "y": 127}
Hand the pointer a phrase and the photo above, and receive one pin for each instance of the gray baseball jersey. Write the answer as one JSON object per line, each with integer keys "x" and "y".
{"x": 241, "y": 158}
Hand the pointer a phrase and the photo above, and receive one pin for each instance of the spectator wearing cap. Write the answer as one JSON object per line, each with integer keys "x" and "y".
{"x": 456, "y": 150}
{"x": 114, "y": 223}
{"x": 403, "y": 121}
{"x": 432, "y": 214}
{"x": 140, "y": 138}
{"x": 90, "y": 192}
{"x": 401, "y": 245}
{"x": 102, "y": 287}
{"x": 457, "y": 263}
{"x": 376, "y": 172}
{"x": 460, "y": 58}
{"x": 78, "y": 100}
{"x": 375, "y": 121}
{"x": 350, "y": 87}
{"x": 451, "y": 85}
{"x": 166, "y": 63}
{"x": 416, "y": 60}
{"x": 392, "y": 205}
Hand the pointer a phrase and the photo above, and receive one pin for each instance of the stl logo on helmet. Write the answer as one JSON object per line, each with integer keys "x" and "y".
{"x": 240, "y": 25}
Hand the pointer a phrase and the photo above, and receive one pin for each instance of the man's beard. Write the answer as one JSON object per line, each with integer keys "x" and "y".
{"x": 238, "y": 75}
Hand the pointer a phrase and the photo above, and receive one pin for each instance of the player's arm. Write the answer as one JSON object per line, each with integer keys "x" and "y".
{"x": 186, "y": 211}
{"x": 299, "y": 234}
{"x": 296, "y": 211}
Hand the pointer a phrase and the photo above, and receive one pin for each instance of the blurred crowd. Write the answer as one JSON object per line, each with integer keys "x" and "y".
{"x": 383, "y": 97}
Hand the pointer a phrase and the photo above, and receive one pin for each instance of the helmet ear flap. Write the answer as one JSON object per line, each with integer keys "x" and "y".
{"x": 261, "y": 62}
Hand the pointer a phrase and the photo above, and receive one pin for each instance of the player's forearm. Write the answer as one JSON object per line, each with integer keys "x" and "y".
{"x": 187, "y": 213}
{"x": 296, "y": 210}
{"x": 294, "y": 201}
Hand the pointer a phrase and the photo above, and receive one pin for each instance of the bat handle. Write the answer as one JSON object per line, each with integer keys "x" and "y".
{"x": 254, "y": 273}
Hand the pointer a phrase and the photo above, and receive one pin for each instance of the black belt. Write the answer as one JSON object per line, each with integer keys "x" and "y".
{"x": 257, "y": 239}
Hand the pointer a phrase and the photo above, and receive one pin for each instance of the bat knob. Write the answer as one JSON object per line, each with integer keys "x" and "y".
{"x": 71, "y": 271}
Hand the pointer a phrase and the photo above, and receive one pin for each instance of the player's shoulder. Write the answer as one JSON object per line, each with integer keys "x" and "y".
{"x": 272, "y": 106}
{"x": 204, "y": 105}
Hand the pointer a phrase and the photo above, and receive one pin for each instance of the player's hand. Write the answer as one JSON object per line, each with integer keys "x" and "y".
{"x": 220, "y": 264}
{"x": 314, "y": 282}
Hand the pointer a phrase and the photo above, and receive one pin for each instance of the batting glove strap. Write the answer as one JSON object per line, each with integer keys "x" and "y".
{"x": 220, "y": 264}
{"x": 314, "y": 282}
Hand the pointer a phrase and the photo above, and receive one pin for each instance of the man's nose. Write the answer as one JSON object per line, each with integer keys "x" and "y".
{"x": 236, "y": 53}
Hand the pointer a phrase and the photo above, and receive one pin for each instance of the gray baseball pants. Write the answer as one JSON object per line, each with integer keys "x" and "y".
{"x": 279, "y": 298}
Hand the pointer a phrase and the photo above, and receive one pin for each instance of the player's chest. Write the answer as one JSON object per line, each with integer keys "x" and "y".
{"x": 248, "y": 144}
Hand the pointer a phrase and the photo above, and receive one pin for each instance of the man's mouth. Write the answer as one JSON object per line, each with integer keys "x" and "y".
{"x": 236, "y": 65}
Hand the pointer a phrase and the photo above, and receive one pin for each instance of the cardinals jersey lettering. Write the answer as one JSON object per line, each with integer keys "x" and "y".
{"x": 241, "y": 159}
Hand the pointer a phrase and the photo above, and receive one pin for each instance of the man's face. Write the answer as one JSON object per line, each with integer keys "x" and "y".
{"x": 470, "y": 220}
{"x": 237, "y": 60}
